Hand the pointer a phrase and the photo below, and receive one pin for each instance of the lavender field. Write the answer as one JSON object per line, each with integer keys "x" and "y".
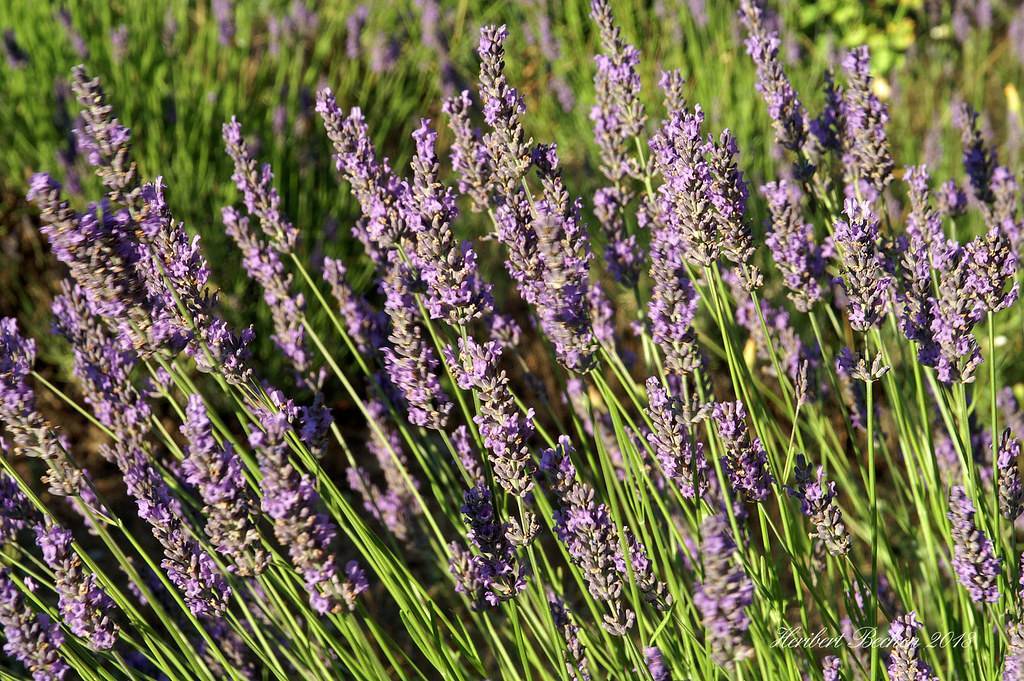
{"x": 510, "y": 372}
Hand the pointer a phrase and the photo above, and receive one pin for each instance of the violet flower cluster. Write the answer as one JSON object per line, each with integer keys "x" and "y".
{"x": 32, "y": 639}
{"x": 680, "y": 454}
{"x": 215, "y": 470}
{"x": 746, "y": 463}
{"x": 505, "y": 430}
{"x": 300, "y": 525}
{"x": 974, "y": 561}
{"x": 85, "y": 607}
{"x": 724, "y": 594}
{"x": 492, "y": 574}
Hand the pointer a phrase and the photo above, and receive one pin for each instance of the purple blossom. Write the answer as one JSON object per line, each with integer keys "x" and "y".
{"x": 287, "y": 310}
{"x": 32, "y": 434}
{"x": 575, "y": 654}
{"x": 224, "y": 15}
{"x": 817, "y": 501}
{"x": 455, "y": 291}
{"x": 256, "y": 183}
{"x": 618, "y": 114}
{"x": 505, "y": 431}
{"x": 586, "y": 528}
{"x": 867, "y": 284}
{"x": 355, "y": 23}
{"x": 724, "y": 594}
{"x": 727, "y": 192}
{"x": 300, "y": 525}
{"x": 979, "y": 160}
{"x": 679, "y": 453}
{"x": 497, "y": 576}
{"x": 793, "y": 246}
{"x": 623, "y": 254}
{"x": 1011, "y": 488}
{"x": 470, "y": 159}
{"x": 16, "y": 514}
{"x": 656, "y": 665}
{"x": 866, "y": 154}
{"x": 366, "y": 326}
{"x": 410, "y": 361}
{"x": 215, "y": 470}
{"x": 905, "y": 663}
{"x": 506, "y": 143}
{"x": 974, "y": 560}
{"x": 84, "y": 606}
{"x": 32, "y": 639}
{"x": 784, "y": 107}
{"x": 379, "y": 192}
{"x": 746, "y": 462}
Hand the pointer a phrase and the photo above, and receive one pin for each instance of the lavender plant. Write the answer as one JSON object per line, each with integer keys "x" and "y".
{"x": 744, "y": 457}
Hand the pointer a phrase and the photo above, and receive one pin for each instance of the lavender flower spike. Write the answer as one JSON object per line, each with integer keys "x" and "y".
{"x": 979, "y": 160}
{"x": 784, "y": 107}
{"x": 506, "y": 143}
{"x": 725, "y": 593}
{"x": 31, "y": 638}
{"x": 866, "y": 154}
{"x": 469, "y": 157}
{"x": 680, "y": 454}
{"x": 575, "y": 654}
{"x": 257, "y": 186}
{"x": 586, "y": 528}
{"x": 728, "y": 194}
{"x": 974, "y": 560}
{"x": 33, "y": 435}
{"x": 817, "y": 502}
{"x": 618, "y": 114}
{"x": 864, "y": 278}
{"x": 505, "y": 431}
{"x": 905, "y": 664}
{"x": 308, "y": 533}
{"x": 410, "y": 361}
{"x": 455, "y": 291}
{"x": 1011, "y": 488}
{"x": 496, "y": 576}
{"x": 746, "y": 462}
{"x": 216, "y": 471}
{"x": 85, "y": 608}
{"x": 792, "y": 244}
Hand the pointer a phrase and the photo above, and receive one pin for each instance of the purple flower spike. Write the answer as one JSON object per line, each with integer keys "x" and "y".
{"x": 905, "y": 663}
{"x": 866, "y": 152}
{"x": 470, "y": 159}
{"x": 33, "y": 435}
{"x": 31, "y": 638}
{"x": 455, "y": 291}
{"x": 791, "y": 241}
{"x": 256, "y": 183}
{"x": 575, "y": 654}
{"x": 308, "y": 533}
{"x": 979, "y": 160}
{"x": 380, "y": 194}
{"x": 974, "y": 560}
{"x": 618, "y": 114}
{"x": 865, "y": 280}
{"x": 411, "y": 362}
{"x": 85, "y": 608}
{"x": 817, "y": 502}
{"x": 681, "y": 456}
{"x": 216, "y": 471}
{"x": 656, "y": 665}
{"x": 746, "y": 462}
{"x": 506, "y": 143}
{"x": 724, "y": 595}
{"x": 1011, "y": 487}
{"x": 586, "y": 528}
{"x": 505, "y": 431}
{"x": 496, "y": 576}
{"x": 784, "y": 107}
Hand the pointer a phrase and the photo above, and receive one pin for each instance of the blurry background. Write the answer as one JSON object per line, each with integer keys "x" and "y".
{"x": 176, "y": 70}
